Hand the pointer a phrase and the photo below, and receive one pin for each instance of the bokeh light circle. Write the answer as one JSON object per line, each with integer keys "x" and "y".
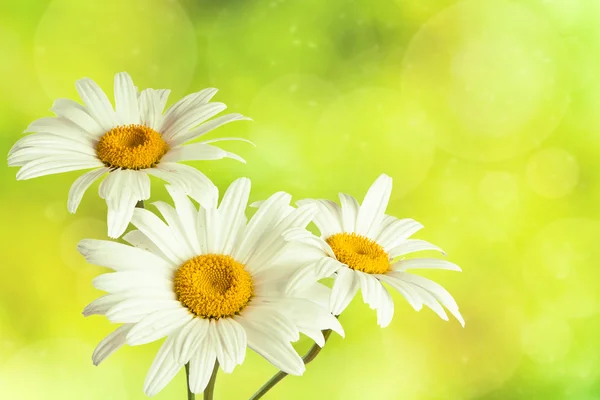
{"x": 60, "y": 369}
{"x": 489, "y": 75}
{"x": 368, "y": 132}
{"x": 559, "y": 267}
{"x": 552, "y": 173}
{"x": 499, "y": 189}
{"x": 153, "y": 40}
{"x": 546, "y": 339}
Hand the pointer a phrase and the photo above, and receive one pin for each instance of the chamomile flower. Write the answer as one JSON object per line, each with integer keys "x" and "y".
{"x": 128, "y": 143}
{"x": 210, "y": 281}
{"x": 362, "y": 248}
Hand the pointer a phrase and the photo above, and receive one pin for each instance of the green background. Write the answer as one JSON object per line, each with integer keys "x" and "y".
{"x": 485, "y": 113}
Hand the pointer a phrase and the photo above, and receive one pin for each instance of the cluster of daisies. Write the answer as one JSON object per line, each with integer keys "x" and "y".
{"x": 210, "y": 280}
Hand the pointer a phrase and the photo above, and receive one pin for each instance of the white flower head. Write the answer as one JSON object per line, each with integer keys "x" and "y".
{"x": 210, "y": 281}
{"x": 360, "y": 247}
{"x": 130, "y": 142}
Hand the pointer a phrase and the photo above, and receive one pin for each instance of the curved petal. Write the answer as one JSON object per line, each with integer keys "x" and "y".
{"x": 163, "y": 368}
{"x": 158, "y": 325}
{"x": 412, "y": 246}
{"x": 233, "y": 212}
{"x": 191, "y": 181}
{"x": 80, "y": 186}
{"x": 122, "y": 189}
{"x": 111, "y": 343}
{"x": 424, "y": 263}
{"x": 397, "y": 231}
{"x": 373, "y": 207}
{"x": 203, "y": 129}
{"x": 198, "y": 151}
{"x": 121, "y": 257}
{"x": 202, "y": 364}
{"x": 97, "y": 103}
{"x": 126, "y": 100}
{"x": 329, "y": 217}
{"x": 57, "y": 164}
{"x": 77, "y": 114}
{"x": 344, "y": 288}
{"x": 349, "y": 212}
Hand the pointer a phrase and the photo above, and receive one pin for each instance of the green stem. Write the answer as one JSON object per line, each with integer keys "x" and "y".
{"x": 191, "y": 396}
{"x": 210, "y": 388}
{"x": 308, "y": 357}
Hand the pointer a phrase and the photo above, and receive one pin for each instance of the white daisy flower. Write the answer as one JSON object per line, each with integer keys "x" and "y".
{"x": 360, "y": 246}
{"x": 210, "y": 282}
{"x": 131, "y": 143}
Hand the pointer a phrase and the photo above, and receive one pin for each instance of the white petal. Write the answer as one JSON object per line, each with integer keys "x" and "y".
{"x": 197, "y": 151}
{"x": 126, "y": 100}
{"x": 265, "y": 218}
{"x": 329, "y": 217}
{"x": 160, "y": 234}
{"x": 377, "y": 297}
{"x": 190, "y": 119}
{"x": 138, "y": 239}
{"x": 307, "y": 314}
{"x": 233, "y": 212}
{"x": 207, "y": 127}
{"x": 102, "y": 304}
{"x": 122, "y": 189}
{"x": 268, "y": 344}
{"x": 180, "y": 111}
{"x": 80, "y": 186}
{"x": 230, "y": 341}
{"x": 397, "y": 231}
{"x": 309, "y": 274}
{"x": 405, "y": 290}
{"x": 121, "y": 257}
{"x": 436, "y": 290}
{"x": 97, "y": 103}
{"x": 189, "y": 339}
{"x": 57, "y": 164}
{"x": 344, "y": 288}
{"x": 163, "y": 368}
{"x": 411, "y": 246}
{"x": 63, "y": 127}
{"x": 349, "y": 210}
{"x": 201, "y": 366}
{"x": 272, "y": 244}
{"x": 193, "y": 182}
{"x": 133, "y": 310}
{"x": 187, "y": 213}
{"x": 77, "y": 114}
{"x": 176, "y": 226}
{"x": 424, "y": 263}
{"x": 111, "y": 343}
{"x": 149, "y": 112}
{"x": 373, "y": 207}
{"x": 23, "y": 156}
{"x": 130, "y": 280}
{"x": 157, "y": 325}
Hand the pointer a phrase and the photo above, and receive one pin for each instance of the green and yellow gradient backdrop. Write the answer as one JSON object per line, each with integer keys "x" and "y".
{"x": 485, "y": 113}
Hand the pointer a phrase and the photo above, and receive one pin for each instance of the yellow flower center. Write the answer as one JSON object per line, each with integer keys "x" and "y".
{"x": 213, "y": 286}
{"x": 131, "y": 147}
{"x": 359, "y": 253}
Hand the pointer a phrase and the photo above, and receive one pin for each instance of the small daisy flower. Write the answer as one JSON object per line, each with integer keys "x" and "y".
{"x": 210, "y": 281}
{"x": 130, "y": 143}
{"x": 362, "y": 248}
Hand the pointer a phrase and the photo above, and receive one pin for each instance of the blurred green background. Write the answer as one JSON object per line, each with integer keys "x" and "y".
{"x": 485, "y": 113}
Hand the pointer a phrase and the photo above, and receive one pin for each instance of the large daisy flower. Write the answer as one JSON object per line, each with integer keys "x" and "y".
{"x": 361, "y": 247}
{"x": 131, "y": 143}
{"x": 211, "y": 283}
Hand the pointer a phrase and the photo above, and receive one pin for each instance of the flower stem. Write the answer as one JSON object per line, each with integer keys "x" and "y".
{"x": 210, "y": 388}
{"x": 308, "y": 357}
{"x": 190, "y": 396}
